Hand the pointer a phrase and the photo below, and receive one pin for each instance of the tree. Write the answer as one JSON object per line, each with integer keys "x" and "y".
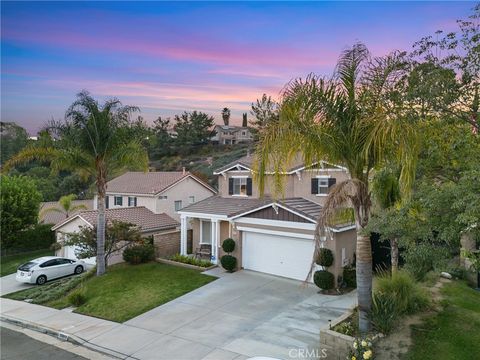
{"x": 386, "y": 192}
{"x": 118, "y": 235}
{"x": 265, "y": 110}
{"x": 162, "y": 141}
{"x": 66, "y": 206}
{"x": 13, "y": 138}
{"x": 454, "y": 53}
{"x": 93, "y": 141}
{"x": 20, "y": 203}
{"x": 193, "y": 129}
{"x": 244, "y": 120}
{"x": 226, "y": 116}
{"x": 355, "y": 119}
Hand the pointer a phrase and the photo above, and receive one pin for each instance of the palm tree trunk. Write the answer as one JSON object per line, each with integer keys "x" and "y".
{"x": 394, "y": 254}
{"x": 101, "y": 190}
{"x": 364, "y": 281}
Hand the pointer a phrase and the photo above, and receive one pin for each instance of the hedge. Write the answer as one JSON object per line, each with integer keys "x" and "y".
{"x": 39, "y": 237}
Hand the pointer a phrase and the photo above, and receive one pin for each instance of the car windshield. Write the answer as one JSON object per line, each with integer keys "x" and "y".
{"x": 27, "y": 266}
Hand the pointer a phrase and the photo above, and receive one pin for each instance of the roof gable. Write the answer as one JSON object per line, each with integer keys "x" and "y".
{"x": 273, "y": 212}
{"x": 149, "y": 183}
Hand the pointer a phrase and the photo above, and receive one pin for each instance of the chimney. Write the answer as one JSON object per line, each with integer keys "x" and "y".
{"x": 183, "y": 170}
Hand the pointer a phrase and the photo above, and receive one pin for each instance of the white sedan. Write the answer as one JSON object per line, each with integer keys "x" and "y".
{"x": 40, "y": 270}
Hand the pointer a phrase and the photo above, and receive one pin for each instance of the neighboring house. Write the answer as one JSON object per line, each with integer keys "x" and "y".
{"x": 149, "y": 200}
{"x": 147, "y": 222}
{"x": 53, "y": 217}
{"x": 160, "y": 192}
{"x": 274, "y": 237}
{"x": 230, "y": 135}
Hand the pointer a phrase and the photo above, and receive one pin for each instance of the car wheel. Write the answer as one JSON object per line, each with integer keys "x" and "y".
{"x": 78, "y": 269}
{"x": 42, "y": 279}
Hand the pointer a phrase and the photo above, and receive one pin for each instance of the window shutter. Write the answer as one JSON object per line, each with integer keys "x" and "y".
{"x": 331, "y": 182}
{"x": 249, "y": 186}
{"x": 230, "y": 186}
{"x": 106, "y": 201}
{"x": 135, "y": 201}
{"x": 314, "y": 186}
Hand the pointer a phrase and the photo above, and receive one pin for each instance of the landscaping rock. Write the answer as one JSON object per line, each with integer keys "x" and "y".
{"x": 446, "y": 275}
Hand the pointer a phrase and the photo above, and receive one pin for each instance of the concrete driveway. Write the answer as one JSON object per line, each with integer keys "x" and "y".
{"x": 239, "y": 315}
{"x": 8, "y": 285}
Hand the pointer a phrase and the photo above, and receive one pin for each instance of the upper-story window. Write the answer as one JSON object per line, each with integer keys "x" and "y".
{"x": 191, "y": 199}
{"x": 244, "y": 133}
{"x": 321, "y": 185}
{"x": 178, "y": 205}
{"x": 163, "y": 197}
{"x": 118, "y": 200}
{"x": 240, "y": 186}
{"x": 132, "y": 201}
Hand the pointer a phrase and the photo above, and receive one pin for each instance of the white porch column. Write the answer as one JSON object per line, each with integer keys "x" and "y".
{"x": 215, "y": 228}
{"x": 183, "y": 234}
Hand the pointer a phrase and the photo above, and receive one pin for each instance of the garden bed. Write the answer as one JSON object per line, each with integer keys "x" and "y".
{"x": 188, "y": 262}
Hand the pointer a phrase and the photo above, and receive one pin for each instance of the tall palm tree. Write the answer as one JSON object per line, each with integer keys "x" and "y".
{"x": 95, "y": 142}
{"x": 66, "y": 206}
{"x": 226, "y": 115}
{"x": 354, "y": 119}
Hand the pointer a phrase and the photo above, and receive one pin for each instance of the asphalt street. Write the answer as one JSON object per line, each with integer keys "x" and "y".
{"x": 15, "y": 346}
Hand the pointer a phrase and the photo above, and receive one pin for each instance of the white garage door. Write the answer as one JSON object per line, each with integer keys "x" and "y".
{"x": 70, "y": 254}
{"x": 278, "y": 255}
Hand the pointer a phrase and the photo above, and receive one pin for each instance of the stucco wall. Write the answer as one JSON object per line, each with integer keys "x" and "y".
{"x": 223, "y": 185}
{"x": 303, "y": 186}
{"x": 347, "y": 240}
{"x": 148, "y": 201}
{"x": 181, "y": 191}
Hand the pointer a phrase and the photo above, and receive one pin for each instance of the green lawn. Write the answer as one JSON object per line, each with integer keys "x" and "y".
{"x": 453, "y": 333}
{"x": 124, "y": 292}
{"x": 10, "y": 263}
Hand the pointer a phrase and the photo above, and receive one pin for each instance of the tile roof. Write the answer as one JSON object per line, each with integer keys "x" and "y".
{"x": 149, "y": 183}
{"x": 303, "y": 206}
{"x": 231, "y": 207}
{"x": 53, "y": 217}
{"x": 139, "y": 216}
{"x": 216, "y": 205}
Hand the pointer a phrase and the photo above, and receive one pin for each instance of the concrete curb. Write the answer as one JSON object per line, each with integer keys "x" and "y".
{"x": 62, "y": 336}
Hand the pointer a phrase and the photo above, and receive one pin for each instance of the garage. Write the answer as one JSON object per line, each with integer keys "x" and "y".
{"x": 286, "y": 256}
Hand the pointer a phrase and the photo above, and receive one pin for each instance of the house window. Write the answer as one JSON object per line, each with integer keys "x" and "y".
{"x": 244, "y": 133}
{"x": 191, "y": 199}
{"x": 117, "y": 200}
{"x": 323, "y": 186}
{"x": 163, "y": 197}
{"x": 132, "y": 201}
{"x": 206, "y": 232}
{"x": 178, "y": 205}
{"x": 240, "y": 186}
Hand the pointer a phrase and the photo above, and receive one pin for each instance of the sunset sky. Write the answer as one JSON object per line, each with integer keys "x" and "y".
{"x": 168, "y": 57}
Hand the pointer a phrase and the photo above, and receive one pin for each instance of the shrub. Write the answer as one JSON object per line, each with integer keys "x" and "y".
{"x": 346, "y": 328}
{"x": 228, "y": 245}
{"x": 38, "y": 237}
{"x": 350, "y": 276}
{"x": 77, "y": 298}
{"x": 228, "y": 262}
{"x": 323, "y": 279}
{"x": 325, "y": 257}
{"x": 422, "y": 258}
{"x": 138, "y": 254}
{"x": 184, "y": 259}
{"x": 384, "y": 312}
{"x": 402, "y": 289}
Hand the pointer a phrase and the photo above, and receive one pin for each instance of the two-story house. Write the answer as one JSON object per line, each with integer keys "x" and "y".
{"x": 230, "y": 135}
{"x": 149, "y": 200}
{"x": 159, "y": 191}
{"x": 272, "y": 236}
